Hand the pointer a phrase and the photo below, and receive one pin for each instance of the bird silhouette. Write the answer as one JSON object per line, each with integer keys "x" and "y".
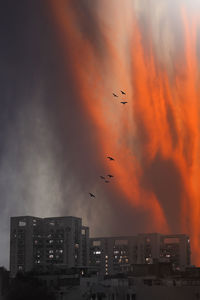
{"x": 123, "y": 93}
{"x": 92, "y": 195}
{"x": 110, "y": 176}
{"x": 123, "y": 102}
{"x": 110, "y": 158}
{"x": 115, "y": 95}
{"x": 102, "y": 177}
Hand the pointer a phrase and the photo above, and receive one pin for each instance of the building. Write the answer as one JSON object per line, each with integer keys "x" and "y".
{"x": 37, "y": 243}
{"x": 164, "y": 248}
{"x": 112, "y": 255}
{"x": 109, "y": 254}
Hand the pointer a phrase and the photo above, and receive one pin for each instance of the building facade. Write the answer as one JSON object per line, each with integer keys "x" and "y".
{"x": 41, "y": 242}
{"x": 111, "y": 255}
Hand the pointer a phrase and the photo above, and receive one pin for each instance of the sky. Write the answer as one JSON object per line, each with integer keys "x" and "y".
{"x": 60, "y": 63}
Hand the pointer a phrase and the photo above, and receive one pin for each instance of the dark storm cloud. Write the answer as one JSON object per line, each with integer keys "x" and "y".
{"x": 27, "y": 56}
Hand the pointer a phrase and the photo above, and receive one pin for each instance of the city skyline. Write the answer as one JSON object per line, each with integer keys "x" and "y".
{"x": 37, "y": 244}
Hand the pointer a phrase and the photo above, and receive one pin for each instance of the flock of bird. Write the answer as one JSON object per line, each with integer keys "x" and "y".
{"x": 123, "y": 93}
{"x": 105, "y": 178}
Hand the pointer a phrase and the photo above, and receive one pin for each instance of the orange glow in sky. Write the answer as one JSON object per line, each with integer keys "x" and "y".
{"x": 158, "y": 129}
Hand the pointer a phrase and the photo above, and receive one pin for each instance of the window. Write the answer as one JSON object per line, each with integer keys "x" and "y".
{"x": 22, "y": 223}
{"x": 121, "y": 242}
{"x": 96, "y": 243}
{"x": 83, "y": 232}
{"x": 52, "y": 223}
{"x": 171, "y": 241}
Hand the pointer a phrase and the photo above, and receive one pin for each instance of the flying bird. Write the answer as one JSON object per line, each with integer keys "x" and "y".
{"x": 123, "y": 102}
{"x": 92, "y": 195}
{"x": 110, "y": 176}
{"x": 115, "y": 95}
{"x": 102, "y": 177}
{"x": 123, "y": 93}
{"x": 107, "y": 181}
{"x": 109, "y": 157}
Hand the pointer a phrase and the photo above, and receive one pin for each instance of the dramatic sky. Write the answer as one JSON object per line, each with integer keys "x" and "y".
{"x": 60, "y": 63}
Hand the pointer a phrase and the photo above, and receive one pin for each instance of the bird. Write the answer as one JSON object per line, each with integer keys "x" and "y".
{"x": 123, "y": 93}
{"x": 110, "y": 176}
{"x": 115, "y": 95}
{"x": 107, "y": 181}
{"x": 109, "y": 157}
{"x": 102, "y": 177}
{"x": 123, "y": 102}
{"x": 92, "y": 195}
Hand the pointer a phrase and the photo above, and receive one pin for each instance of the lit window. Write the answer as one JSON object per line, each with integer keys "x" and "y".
{"x": 50, "y": 241}
{"x": 61, "y": 251}
{"x": 51, "y": 256}
{"x": 97, "y": 252}
{"x": 83, "y": 231}
{"x": 77, "y": 246}
{"x": 50, "y": 251}
{"x": 20, "y": 268}
{"x": 22, "y": 223}
{"x": 106, "y": 256}
{"x": 52, "y": 223}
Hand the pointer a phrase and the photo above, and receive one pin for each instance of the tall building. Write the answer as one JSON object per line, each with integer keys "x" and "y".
{"x": 111, "y": 255}
{"x": 36, "y": 242}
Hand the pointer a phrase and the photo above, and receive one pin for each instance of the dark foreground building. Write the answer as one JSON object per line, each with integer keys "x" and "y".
{"x": 40, "y": 242}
